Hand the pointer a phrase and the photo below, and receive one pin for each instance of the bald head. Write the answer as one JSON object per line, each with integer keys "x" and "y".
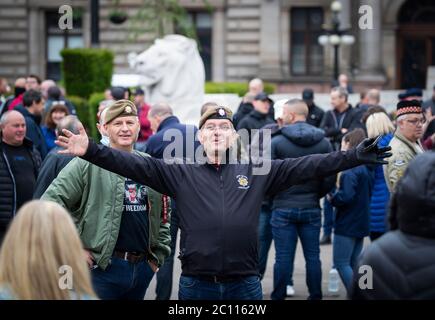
{"x": 295, "y": 110}
{"x": 70, "y": 123}
{"x": 342, "y": 78}
{"x": 10, "y": 116}
{"x": 373, "y": 97}
{"x": 13, "y": 128}
{"x": 161, "y": 109}
{"x": 20, "y": 82}
{"x": 45, "y": 85}
{"x": 256, "y": 86}
{"x": 158, "y": 113}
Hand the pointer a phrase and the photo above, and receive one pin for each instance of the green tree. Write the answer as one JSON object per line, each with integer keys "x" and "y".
{"x": 159, "y": 18}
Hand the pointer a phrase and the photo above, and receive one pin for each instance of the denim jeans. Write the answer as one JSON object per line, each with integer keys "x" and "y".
{"x": 193, "y": 288}
{"x": 264, "y": 238}
{"x": 122, "y": 280}
{"x": 287, "y": 225}
{"x": 346, "y": 251}
{"x": 328, "y": 217}
{"x": 164, "y": 275}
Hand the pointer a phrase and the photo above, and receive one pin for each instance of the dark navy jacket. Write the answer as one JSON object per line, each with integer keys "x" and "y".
{"x": 352, "y": 201}
{"x": 297, "y": 140}
{"x": 53, "y": 163}
{"x": 156, "y": 143}
{"x": 218, "y": 207}
{"x": 8, "y": 189}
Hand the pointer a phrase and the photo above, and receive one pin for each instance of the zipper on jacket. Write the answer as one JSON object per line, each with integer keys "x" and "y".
{"x": 223, "y": 216}
{"x": 112, "y": 217}
{"x": 149, "y": 222}
{"x": 13, "y": 183}
{"x": 150, "y": 252}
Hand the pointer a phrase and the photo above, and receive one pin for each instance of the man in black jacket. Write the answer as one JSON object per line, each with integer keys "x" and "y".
{"x": 296, "y": 210}
{"x": 32, "y": 112}
{"x": 219, "y": 200}
{"x": 163, "y": 122}
{"x": 336, "y": 123}
{"x": 401, "y": 264}
{"x": 257, "y": 118}
{"x": 19, "y": 164}
{"x": 315, "y": 114}
{"x": 255, "y": 87}
{"x": 341, "y": 119}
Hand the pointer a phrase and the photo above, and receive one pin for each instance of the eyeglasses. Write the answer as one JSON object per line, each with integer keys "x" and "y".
{"x": 224, "y": 127}
{"x": 415, "y": 122}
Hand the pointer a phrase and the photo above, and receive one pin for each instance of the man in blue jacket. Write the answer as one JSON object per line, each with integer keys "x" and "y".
{"x": 165, "y": 124}
{"x": 219, "y": 200}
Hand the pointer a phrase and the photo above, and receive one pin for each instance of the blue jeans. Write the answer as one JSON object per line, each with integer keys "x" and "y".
{"x": 328, "y": 217}
{"x": 164, "y": 275}
{"x": 287, "y": 225}
{"x": 122, "y": 280}
{"x": 346, "y": 251}
{"x": 193, "y": 288}
{"x": 264, "y": 238}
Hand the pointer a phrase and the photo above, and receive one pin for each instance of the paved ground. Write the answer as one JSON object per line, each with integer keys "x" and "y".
{"x": 298, "y": 277}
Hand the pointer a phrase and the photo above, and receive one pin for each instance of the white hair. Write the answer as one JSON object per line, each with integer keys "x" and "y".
{"x": 256, "y": 81}
{"x": 402, "y": 117}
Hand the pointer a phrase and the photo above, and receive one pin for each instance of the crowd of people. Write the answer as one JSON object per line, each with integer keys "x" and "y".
{"x": 112, "y": 210}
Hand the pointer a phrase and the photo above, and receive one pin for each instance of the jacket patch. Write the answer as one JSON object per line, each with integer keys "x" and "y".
{"x": 399, "y": 162}
{"x": 243, "y": 182}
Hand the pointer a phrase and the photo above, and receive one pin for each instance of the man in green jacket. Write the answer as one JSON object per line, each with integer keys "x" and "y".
{"x": 124, "y": 226}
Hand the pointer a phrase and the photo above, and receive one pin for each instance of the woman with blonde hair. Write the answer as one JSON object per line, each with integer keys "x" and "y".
{"x": 379, "y": 124}
{"x": 39, "y": 249}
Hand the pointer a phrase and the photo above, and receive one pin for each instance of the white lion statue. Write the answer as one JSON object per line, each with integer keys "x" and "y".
{"x": 172, "y": 71}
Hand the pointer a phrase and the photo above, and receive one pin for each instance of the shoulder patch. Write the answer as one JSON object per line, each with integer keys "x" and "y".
{"x": 399, "y": 162}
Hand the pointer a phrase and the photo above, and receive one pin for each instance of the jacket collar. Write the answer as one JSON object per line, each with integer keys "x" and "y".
{"x": 408, "y": 143}
{"x": 168, "y": 122}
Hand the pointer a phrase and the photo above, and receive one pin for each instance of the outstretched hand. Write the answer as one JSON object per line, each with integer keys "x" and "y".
{"x": 73, "y": 144}
{"x": 369, "y": 152}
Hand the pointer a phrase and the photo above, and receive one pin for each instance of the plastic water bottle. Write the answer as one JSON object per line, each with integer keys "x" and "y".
{"x": 333, "y": 285}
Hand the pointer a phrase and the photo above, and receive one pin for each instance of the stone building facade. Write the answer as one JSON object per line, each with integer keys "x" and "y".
{"x": 273, "y": 39}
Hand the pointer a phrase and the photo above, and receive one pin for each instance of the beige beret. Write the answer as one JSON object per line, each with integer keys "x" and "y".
{"x": 120, "y": 108}
{"x": 216, "y": 113}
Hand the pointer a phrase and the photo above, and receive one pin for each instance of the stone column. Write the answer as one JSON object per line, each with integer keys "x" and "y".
{"x": 218, "y": 45}
{"x": 270, "y": 40}
{"x": 370, "y": 45}
{"x": 345, "y": 23}
{"x": 345, "y": 14}
{"x": 36, "y": 43}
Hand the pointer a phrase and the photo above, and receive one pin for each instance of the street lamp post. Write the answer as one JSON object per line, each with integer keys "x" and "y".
{"x": 95, "y": 28}
{"x": 335, "y": 36}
